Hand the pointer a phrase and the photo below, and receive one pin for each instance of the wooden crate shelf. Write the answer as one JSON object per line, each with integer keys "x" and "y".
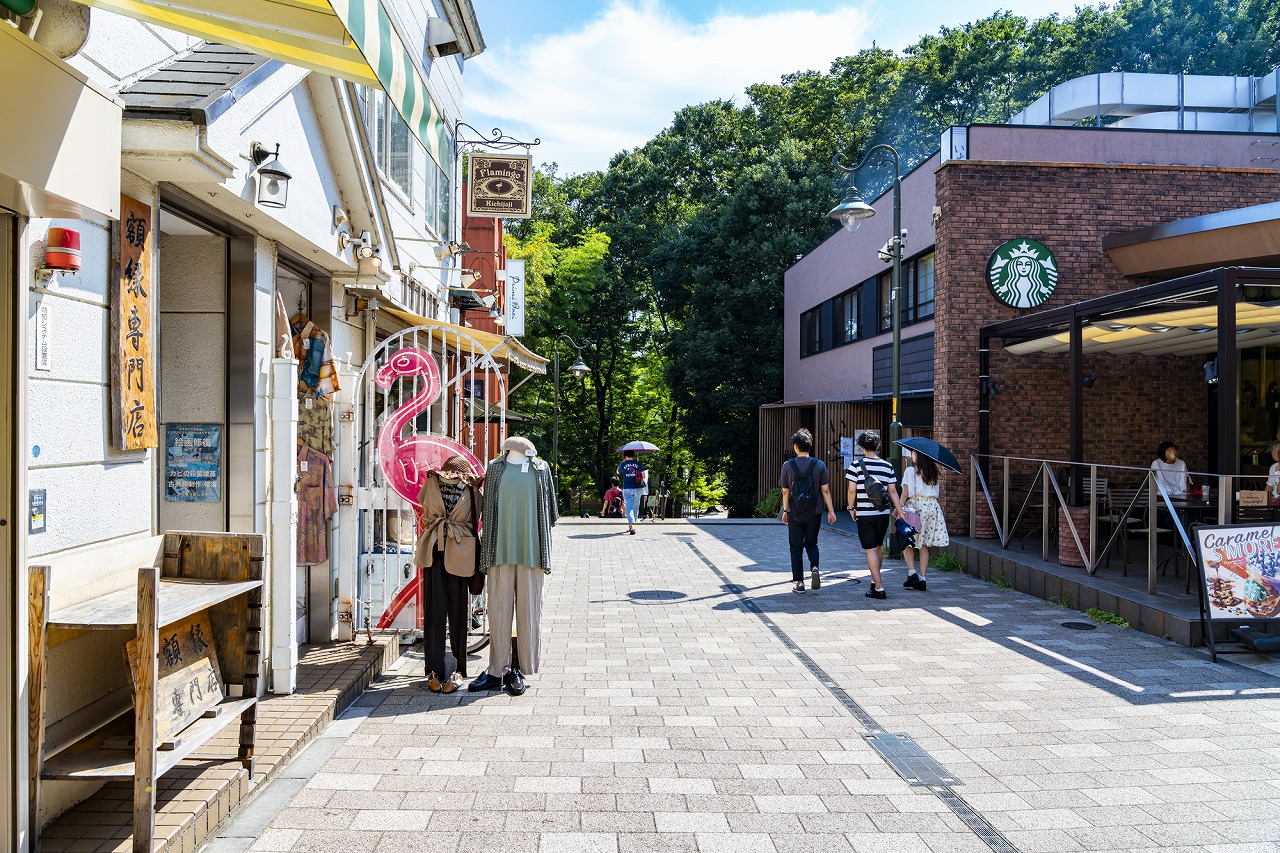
{"x": 218, "y": 574}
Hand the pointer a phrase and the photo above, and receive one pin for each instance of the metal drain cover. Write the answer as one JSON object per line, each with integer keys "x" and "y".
{"x": 1079, "y": 626}
{"x": 912, "y": 763}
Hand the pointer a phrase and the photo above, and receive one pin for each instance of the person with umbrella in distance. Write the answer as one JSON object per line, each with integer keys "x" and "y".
{"x": 634, "y": 478}
{"x": 919, "y": 505}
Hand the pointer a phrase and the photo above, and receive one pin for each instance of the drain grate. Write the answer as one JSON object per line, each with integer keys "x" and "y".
{"x": 1079, "y": 626}
{"x": 912, "y": 763}
{"x": 976, "y": 822}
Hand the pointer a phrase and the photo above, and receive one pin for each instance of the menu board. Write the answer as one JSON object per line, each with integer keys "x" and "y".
{"x": 1240, "y": 570}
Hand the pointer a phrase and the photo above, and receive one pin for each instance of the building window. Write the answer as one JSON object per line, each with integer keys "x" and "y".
{"x": 845, "y": 317}
{"x": 389, "y": 137}
{"x": 811, "y": 332}
{"x": 886, "y": 300}
{"x": 436, "y": 203}
{"x": 924, "y": 271}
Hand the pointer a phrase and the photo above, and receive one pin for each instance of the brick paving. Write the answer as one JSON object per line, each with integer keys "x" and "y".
{"x": 676, "y": 712}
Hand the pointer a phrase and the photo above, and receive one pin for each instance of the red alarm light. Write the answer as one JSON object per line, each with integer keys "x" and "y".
{"x": 62, "y": 250}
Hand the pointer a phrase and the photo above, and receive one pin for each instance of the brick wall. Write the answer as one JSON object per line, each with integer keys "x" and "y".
{"x": 1138, "y": 401}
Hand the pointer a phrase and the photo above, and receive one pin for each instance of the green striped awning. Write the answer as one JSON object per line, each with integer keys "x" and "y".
{"x": 350, "y": 39}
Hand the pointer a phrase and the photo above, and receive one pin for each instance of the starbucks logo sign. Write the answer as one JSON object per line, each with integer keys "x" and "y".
{"x": 1021, "y": 273}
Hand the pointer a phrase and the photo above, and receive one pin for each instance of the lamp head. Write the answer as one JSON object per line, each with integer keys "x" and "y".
{"x": 273, "y": 179}
{"x": 579, "y": 368}
{"x": 851, "y": 210}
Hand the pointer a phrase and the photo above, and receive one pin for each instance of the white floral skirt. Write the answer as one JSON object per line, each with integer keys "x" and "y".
{"x": 933, "y": 527}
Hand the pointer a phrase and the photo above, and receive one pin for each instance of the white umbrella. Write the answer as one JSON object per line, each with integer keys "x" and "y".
{"x": 639, "y": 447}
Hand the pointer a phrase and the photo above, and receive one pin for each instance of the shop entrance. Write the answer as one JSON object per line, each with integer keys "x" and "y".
{"x": 8, "y": 526}
{"x": 423, "y": 395}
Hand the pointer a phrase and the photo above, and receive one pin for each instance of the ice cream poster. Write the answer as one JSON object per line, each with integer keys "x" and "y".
{"x": 1240, "y": 569}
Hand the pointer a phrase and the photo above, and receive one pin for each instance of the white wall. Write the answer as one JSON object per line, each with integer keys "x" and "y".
{"x": 120, "y": 50}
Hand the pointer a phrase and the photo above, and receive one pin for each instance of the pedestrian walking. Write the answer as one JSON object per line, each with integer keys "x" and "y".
{"x": 806, "y": 489}
{"x": 633, "y": 475}
{"x": 920, "y": 491}
{"x": 873, "y": 494}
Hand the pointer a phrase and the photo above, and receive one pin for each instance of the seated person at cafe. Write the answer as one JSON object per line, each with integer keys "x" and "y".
{"x": 1171, "y": 471}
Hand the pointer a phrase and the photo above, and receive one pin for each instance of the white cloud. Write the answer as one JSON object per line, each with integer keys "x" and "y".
{"x": 616, "y": 81}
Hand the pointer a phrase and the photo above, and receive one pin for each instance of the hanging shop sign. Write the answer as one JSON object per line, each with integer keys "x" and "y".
{"x": 500, "y": 185}
{"x": 1240, "y": 576}
{"x": 133, "y": 396}
{"x": 513, "y": 306}
{"x": 1022, "y": 273}
{"x": 193, "y": 463}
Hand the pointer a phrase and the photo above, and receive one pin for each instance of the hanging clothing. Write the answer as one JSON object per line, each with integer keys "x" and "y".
{"x": 453, "y": 532}
{"x": 515, "y": 592}
{"x": 315, "y": 422}
{"x": 448, "y": 555}
{"x": 319, "y": 373}
{"x": 317, "y": 502}
{"x": 544, "y": 500}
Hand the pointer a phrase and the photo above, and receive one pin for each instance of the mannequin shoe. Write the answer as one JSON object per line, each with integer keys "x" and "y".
{"x": 513, "y": 683}
{"x": 485, "y": 682}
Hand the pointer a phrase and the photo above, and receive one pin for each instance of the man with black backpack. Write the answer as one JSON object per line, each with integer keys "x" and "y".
{"x": 873, "y": 493}
{"x": 806, "y": 488}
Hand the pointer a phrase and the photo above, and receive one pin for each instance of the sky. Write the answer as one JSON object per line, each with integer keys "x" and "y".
{"x": 591, "y": 78}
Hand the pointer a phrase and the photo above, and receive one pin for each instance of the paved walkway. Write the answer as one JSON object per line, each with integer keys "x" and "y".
{"x": 690, "y": 702}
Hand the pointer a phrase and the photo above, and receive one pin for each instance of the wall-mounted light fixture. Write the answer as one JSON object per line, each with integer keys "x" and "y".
{"x": 273, "y": 179}
{"x": 1211, "y": 372}
{"x": 449, "y": 249}
{"x": 1089, "y": 379}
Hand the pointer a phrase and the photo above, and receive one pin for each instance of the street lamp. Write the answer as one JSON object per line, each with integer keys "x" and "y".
{"x": 579, "y": 369}
{"x": 850, "y": 213}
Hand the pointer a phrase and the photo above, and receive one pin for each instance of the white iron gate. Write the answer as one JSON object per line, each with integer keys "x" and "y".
{"x": 423, "y": 395}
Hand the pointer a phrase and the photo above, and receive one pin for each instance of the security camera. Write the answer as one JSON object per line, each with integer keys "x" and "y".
{"x": 886, "y": 251}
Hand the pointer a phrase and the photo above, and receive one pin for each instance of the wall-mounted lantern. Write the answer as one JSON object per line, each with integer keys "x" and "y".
{"x": 273, "y": 179}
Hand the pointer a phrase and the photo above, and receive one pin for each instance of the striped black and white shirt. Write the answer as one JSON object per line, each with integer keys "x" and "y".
{"x": 881, "y": 469}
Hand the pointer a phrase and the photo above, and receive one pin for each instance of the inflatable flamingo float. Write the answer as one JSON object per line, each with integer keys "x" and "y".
{"x": 406, "y": 461}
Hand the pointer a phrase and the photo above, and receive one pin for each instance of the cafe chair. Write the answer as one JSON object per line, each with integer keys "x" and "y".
{"x": 1128, "y": 511}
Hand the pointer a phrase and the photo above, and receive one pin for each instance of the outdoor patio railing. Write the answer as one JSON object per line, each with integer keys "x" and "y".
{"x": 1024, "y": 485}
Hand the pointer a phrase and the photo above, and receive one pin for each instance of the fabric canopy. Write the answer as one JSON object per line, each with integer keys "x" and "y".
{"x": 351, "y": 39}
{"x": 497, "y": 346}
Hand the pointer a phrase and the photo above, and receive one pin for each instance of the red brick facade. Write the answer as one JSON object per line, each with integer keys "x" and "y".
{"x": 1138, "y": 401}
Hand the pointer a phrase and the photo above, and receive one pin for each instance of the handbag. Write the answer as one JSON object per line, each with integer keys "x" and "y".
{"x": 911, "y": 517}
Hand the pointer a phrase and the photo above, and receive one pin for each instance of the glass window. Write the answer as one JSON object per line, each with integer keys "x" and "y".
{"x": 429, "y": 201}
{"x": 443, "y": 202}
{"x": 886, "y": 314}
{"x": 398, "y": 147}
{"x": 810, "y": 332}
{"x": 389, "y": 138}
{"x": 924, "y": 286}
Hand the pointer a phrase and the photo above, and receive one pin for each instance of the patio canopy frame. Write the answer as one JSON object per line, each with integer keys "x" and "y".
{"x": 1222, "y": 289}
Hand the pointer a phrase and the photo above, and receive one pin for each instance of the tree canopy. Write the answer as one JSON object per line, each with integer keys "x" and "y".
{"x": 668, "y": 266}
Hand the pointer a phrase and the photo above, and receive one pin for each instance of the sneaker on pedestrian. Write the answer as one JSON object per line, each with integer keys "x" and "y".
{"x": 920, "y": 585}
{"x": 815, "y": 580}
{"x": 911, "y": 580}
{"x": 798, "y": 589}
{"x": 877, "y": 593}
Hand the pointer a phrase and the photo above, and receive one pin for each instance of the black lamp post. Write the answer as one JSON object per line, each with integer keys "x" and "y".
{"x": 850, "y": 213}
{"x": 579, "y": 369}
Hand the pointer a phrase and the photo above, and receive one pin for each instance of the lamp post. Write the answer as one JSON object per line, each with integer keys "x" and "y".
{"x": 850, "y": 213}
{"x": 579, "y": 369}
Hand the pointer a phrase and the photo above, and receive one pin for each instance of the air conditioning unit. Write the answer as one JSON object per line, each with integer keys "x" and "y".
{"x": 441, "y": 39}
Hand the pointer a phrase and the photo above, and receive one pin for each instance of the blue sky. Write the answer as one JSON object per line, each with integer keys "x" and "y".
{"x": 594, "y": 77}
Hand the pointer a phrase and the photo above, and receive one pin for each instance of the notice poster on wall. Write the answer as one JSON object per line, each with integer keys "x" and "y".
{"x": 193, "y": 463}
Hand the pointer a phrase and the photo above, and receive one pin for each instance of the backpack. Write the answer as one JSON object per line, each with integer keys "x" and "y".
{"x": 876, "y": 491}
{"x": 804, "y": 491}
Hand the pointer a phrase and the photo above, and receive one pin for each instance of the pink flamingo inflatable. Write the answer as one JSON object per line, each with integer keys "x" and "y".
{"x": 406, "y": 461}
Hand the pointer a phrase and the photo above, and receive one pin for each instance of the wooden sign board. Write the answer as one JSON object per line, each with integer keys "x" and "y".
{"x": 133, "y": 395}
{"x": 190, "y": 682}
{"x": 500, "y": 185}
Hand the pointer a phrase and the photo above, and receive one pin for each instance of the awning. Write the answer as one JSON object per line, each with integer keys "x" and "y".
{"x": 1247, "y": 235}
{"x": 354, "y": 40}
{"x": 498, "y": 346}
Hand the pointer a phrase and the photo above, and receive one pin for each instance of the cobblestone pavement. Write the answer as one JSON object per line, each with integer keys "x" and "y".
{"x": 689, "y": 701}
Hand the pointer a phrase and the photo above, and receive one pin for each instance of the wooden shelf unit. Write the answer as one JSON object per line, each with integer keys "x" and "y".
{"x": 217, "y": 573}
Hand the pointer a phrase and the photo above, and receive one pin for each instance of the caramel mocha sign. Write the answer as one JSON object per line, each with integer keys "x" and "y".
{"x": 501, "y": 185}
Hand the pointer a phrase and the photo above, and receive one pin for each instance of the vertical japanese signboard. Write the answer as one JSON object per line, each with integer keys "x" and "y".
{"x": 133, "y": 397}
{"x": 500, "y": 185}
{"x": 513, "y": 306}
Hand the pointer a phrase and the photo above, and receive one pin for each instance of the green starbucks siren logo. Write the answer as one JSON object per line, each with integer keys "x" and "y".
{"x": 1022, "y": 274}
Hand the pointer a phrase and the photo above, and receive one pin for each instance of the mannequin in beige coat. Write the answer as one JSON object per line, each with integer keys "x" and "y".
{"x": 448, "y": 553}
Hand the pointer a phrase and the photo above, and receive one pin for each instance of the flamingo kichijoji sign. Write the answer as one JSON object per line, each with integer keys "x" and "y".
{"x": 1022, "y": 273}
{"x": 500, "y": 185}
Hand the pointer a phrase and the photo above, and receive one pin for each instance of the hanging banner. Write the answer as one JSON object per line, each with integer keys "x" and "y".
{"x": 133, "y": 396}
{"x": 513, "y": 307}
{"x": 193, "y": 463}
{"x": 500, "y": 185}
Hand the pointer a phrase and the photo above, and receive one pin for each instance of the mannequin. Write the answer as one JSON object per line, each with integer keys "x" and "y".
{"x": 515, "y": 555}
{"x": 448, "y": 557}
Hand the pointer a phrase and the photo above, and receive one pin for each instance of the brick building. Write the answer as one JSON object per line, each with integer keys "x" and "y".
{"x": 1086, "y": 194}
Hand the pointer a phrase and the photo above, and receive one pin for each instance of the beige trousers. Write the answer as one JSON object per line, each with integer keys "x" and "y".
{"x": 514, "y": 591}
